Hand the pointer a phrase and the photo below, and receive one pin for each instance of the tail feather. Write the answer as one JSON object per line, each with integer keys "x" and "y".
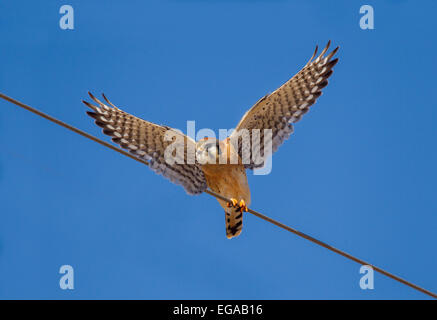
{"x": 234, "y": 222}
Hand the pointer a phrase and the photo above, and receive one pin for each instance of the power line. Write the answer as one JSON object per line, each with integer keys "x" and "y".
{"x": 219, "y": 196}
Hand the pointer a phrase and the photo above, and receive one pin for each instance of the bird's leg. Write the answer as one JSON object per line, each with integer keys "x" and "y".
{"x": 239, "y": 206}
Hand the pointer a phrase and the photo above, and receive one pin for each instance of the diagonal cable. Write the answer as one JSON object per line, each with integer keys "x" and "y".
{"x": 219, "y": 196}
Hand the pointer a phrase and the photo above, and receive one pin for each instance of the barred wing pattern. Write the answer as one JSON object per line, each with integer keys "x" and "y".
{"x": 285, "y": 106}
{"x": 146, "y": 141}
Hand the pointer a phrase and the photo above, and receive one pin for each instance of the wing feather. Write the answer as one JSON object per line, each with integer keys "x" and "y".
{"x": 146, "y": 141}
{"x": 286, "y": 105}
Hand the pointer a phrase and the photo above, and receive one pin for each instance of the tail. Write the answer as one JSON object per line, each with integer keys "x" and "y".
{"x": 234, "y": 222}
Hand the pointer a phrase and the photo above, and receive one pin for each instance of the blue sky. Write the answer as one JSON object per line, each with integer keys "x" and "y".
{"x": 359, "y": 172}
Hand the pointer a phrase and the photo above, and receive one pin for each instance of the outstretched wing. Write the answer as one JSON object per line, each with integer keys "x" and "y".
{"x": 285, "y": 106}
{"x": 146, "y": 140}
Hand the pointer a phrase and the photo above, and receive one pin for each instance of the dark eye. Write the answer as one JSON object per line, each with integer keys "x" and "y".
{"x": 208, "y": 145}
{"x": 218, "y": 148}
{"x": 211, "y": 145}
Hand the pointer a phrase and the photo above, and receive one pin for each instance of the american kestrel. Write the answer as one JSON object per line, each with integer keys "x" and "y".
{"x": 276, "y": 111}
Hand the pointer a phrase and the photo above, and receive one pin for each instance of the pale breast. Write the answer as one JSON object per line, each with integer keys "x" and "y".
{"x": 228, "y": 180}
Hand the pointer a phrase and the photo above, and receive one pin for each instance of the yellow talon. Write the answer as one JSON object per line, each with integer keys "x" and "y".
{"x": 240, "y": 206}
{"x": 233, "y": 204}
{"x": 243, "y": 206}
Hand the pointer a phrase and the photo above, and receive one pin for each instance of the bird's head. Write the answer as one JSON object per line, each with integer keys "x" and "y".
{"x": 208, "y": 151}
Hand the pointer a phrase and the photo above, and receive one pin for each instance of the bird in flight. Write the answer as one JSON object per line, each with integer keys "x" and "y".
{"x": 275, "y": 114}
